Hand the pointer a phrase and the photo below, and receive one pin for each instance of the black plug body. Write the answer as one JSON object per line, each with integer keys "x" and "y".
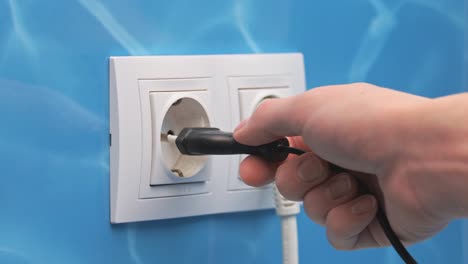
{"x": 212, "y": 141}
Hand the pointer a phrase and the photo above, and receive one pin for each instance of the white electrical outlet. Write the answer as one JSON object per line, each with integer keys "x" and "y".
{"x": 153, "y": 96}
{"x": 246, "y": 93}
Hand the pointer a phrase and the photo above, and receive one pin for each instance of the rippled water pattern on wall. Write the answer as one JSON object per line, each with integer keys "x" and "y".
{"x": 54, "y": 156}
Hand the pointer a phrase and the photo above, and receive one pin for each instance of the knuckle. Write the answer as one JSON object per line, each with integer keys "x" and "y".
{"x": 362, "y": 85}
{"x": 337, "y": 229}
{"x": 336, "y": 236}
{"x": 311, "y": 169}
{"x": 281, "y": 187}
{"x": 286, "y": 190}
{"x": 351, "y": 191}
{"x": 289, "y": 184}
{"x": 336, "y": 242}
{"x": 312, "y": 209}
{"x": 280, "y": 180}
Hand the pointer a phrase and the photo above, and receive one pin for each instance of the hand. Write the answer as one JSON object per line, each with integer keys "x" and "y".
{"x": 392, "y": 141}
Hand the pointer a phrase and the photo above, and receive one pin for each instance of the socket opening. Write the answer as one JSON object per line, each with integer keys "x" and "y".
{"x": 184, "y": 112}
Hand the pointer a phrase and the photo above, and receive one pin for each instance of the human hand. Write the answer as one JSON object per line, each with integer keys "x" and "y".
{"x": 384, "y": 138}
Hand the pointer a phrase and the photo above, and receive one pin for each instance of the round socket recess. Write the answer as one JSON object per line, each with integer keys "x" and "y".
{"x": 185, "y": 112}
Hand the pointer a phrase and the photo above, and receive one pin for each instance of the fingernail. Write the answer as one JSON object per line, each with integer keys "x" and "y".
{"x": 363, "y": 205}
{"x": 339, "y": 186}
{"x": 310, "y": 170}
{"x": 241, "y": 125}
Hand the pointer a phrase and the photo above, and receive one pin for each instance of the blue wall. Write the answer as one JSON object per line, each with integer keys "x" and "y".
{"x": 54, "y": 155}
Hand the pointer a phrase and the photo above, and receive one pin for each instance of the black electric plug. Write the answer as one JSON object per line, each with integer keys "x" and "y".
{"x": 213, "y": 141}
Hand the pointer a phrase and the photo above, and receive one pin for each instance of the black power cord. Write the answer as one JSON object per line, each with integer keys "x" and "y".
{"x": 381, "y": 216}
{"x": 212, "y": 141}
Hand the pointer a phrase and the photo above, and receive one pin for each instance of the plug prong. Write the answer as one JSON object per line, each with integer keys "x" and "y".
{"x": 168, "y": 138}
{"x": 171, "y": 138}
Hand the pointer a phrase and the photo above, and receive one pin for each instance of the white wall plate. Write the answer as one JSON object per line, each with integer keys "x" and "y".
{"x": 143, "y": 181}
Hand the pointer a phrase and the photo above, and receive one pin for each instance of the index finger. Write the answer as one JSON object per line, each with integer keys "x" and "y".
{"x": 273, "y": 119}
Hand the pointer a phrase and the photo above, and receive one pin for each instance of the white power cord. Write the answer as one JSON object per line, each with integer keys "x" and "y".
{"x": 287, "y": 211}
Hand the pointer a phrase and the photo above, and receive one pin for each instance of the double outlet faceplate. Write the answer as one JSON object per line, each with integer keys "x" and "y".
{"x": 154, "y": 96}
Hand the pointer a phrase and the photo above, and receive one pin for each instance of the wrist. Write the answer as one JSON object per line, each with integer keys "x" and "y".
{"x": 433, "y": 155}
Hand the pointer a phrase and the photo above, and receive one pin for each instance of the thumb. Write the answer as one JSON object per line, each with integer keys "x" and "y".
{"x": 354, "y": 126}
